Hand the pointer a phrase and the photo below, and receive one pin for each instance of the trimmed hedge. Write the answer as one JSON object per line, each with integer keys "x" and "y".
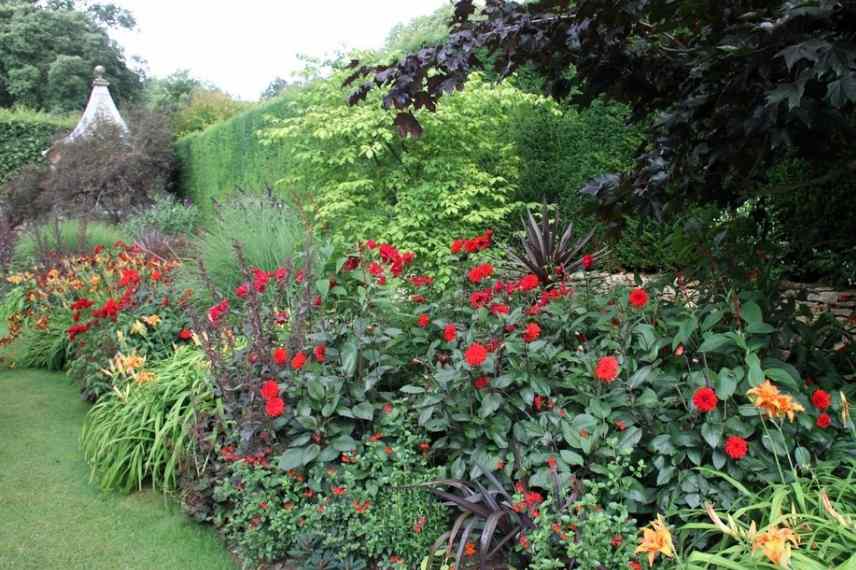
{"x": 25, "y": 135}
{"x": 230, "y": 155}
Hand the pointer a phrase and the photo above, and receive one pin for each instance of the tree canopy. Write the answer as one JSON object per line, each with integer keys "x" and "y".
{"x": 48, "y": 51}
{"x": 726, "y": 88}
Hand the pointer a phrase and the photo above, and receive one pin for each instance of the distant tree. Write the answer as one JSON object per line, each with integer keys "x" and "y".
{"x": 172, "y": 93}
{"x": 274, "y": 88}
{"x": 206, "y": 107}
{"x": 48, "y": 51}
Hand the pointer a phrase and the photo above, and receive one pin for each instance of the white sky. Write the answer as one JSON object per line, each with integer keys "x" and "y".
{"x": 241, "y": 46}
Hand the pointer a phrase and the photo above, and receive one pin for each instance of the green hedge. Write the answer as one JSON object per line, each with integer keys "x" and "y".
{"x": 25, "y": 135}
{"x": 229, "y": 155}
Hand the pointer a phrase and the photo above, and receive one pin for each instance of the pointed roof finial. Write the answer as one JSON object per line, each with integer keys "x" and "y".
{"x": 99, "y": 76}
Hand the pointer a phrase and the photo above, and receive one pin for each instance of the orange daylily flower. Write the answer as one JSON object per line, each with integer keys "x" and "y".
{"x": 656, "y": 539}
{"x": 767, "y": 398}
{"x": 775, "y": 544}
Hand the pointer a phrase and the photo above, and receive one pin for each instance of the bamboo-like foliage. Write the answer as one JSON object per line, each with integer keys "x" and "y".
{"x": 141, "y": 432}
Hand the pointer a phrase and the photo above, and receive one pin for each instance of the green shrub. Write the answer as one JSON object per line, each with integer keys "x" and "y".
{"x": 141, "y": 431}
{"x": 270, "y": 233}
{"x": 46, "y": 347}
{"x": 166, "y": 215}
{"x": 229, "y": 156}
{"x": 25, "y": 135}
{"x": 64, "y": 238}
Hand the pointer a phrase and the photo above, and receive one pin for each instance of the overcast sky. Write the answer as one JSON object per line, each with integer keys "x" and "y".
{"x": 242, "y": 45}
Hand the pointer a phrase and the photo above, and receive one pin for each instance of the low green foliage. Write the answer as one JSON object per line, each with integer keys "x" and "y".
{"x": 25, "y": 135}
{"x": 140, "y": 431}
{"x": 61, "y": 238}
{"x": 165, "y": 215}
{"x": 46, "y": 347}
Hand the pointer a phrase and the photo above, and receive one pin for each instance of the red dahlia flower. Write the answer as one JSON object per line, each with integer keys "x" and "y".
{"x": 280, "y": 356}
{"x": 351, "y": 264}
{"x": 242, "y": 290}
{"x": 274, "y": 407}
{"x": 320, "y": 353}
{"x": 450, "y": 332}
{"x": 735, "y": 447}
{"x": 821, "y": 399}
{"x": 109, "y": 309}
{"x": 588, "y": 262}
{"x": 638, "y": 298}
{"x": 481, "y": 382}
{"x": 270, "y": 389}
{"x": 705, "y": 399}
{"x": 476, "y": 354}
{"x": 606, "y": 370}
{"x": 480, "y": 272}
{"x": 479, "y": 299}
{"x": 823, "y": 421}
{"x": 81, "y": 304}
{"x": 529, "y": 282}
{"x": 532, "y": 332}
{"x": 298, "y": 361}
{"x": 424, "y": 321}
{"x": 499, "y": 309}
{"x": 218, "y": 310}
{"x": 185, "y": 334}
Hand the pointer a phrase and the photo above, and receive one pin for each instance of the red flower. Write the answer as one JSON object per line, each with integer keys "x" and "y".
{"x": 280, "y": 356}
{"x": 185, "y": 334}
{"x": 820, "y": 399}
{"x": 270, "y": 389}
{"x": 450, "y": 332}
{"x": 156, "y": 276}
{"x": 280, "y": 274}
{"x": 421, "y": 280}
{"x": 476, "y": 354}
{"x": 531, "y": 332}
{"x": 823, "y": 421}
{"x": 479, "y": 299}
{"x": 260, "y": 280}
{"x": 371, "y": 244}
{"x": 274, "y": 407}
{"x": 418, "y": 299}
{"x": 552, "y": 463}
{"x": 351, "y": 264}
{"x": 75, "y": 330}
{"x": 607, "y": 369}
{"x": 533, "y": 498}
{"x": 529, "y": 282}
{"x": 480, "y": 272}
{"x": 481, "y": 382}
{"x": 299, "y": 277}
{"x": 705, "y": 399}
{"x": 338, "y": 491}
{"x": 320, "y": 353}
{"x": 109, "y": 309}
{"x": 387, "y": 408}
{"x": 298, "y": 361}
{"x": 638, "y": 298}
{"x": 616, "y": 540}
{"x": 735, "y": 447}
{"x": 499, "y": 309}
{"x": 423, "y": 321}
{"x": 588, "y": 262}
{"x": 458, "y": 245}
{"x": 242, "y": 290}
{"x": 316, "y": 302}
{"x": 129, "y": 277}
{"x": 634, "y": 565}
{"x": 218, "y": 310}
{"x": 538, "y": 402}
{"x": 81, "y": 304}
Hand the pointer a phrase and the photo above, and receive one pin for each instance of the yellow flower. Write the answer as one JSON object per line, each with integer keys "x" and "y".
{"x": 656, "y": 540}
{"x": 144, "y": 376}
{"x": 775, "y": 544}
{"x": 18, "y": 278}
{"x": 134, "y": 361}
{"x": 769, "y": 400}
{"x": 152, "y": 320}
{"x": 138, "y": 328}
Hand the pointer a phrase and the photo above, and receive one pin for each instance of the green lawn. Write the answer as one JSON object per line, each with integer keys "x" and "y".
{"x": 52, "y": 517}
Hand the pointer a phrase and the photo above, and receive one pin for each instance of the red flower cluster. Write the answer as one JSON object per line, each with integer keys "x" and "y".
{"x": 421, "y": 280}
{"x": 130, "y": 278}
{"x": 274, "y": 405}
{"x": 298, "y": 361}
{"x": 473, "y": 245}
{"x": 528, "y": 282}
{"x": 705, "y": 400}
{"x": 185, "y": 334}
{"x": 531, "y": 332}
{"x": 396, "y": 260}
{"x": 499, "y": 309}
{"x": 218, "y": 310}
{"x": 450, "y": 332}
{"x": 480, "y": 272}
{"x": 280, "y": 356}
{"x": 320, "y": 353}
{"x": 110, "y": 309}
{"x": 606, "y": 370}
{"x": 479, "y": 299}
{"x": 735, "y": 447}
{"x": 75, "y": 330}
{"x": 638, "y": 298}
{"x": 475, "y": 354}
{"x": 81, "y": 304}
{"x": 423, "y": 321}
{"x": 588, "y": 262}
{"x": 820, "y": 399}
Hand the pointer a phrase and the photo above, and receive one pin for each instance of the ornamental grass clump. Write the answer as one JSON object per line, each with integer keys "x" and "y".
{"x": 140, "y": 432}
